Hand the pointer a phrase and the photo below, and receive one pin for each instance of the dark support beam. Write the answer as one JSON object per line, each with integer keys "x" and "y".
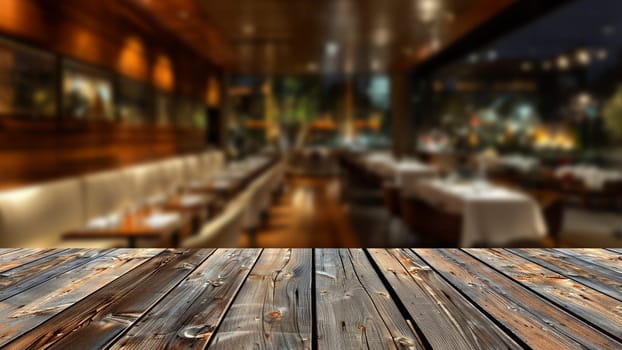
{"x": 515, "y": 16}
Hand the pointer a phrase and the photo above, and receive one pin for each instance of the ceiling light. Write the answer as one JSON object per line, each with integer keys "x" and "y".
{"x": 547, "y": 65}
{"x": 248, "y": 29}
{"x": 525, "y": 66}
{"x": 312, "y": 67}
{"x": 602, "y": 54}
{"x": 491, "y": 55}
{"x": 583, "y": 57}
{"x": 382, "y": 36}
{"x": 375, "y": 65}
{"x": 608, "y": 30}
{"x": 473, "y": 58}
{"x": 428, "y": 9}
{"x": 563, "y": 62}
{"x": 332, "y": 48}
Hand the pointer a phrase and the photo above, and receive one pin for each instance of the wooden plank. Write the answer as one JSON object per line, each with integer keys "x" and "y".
{"x": 23, "y": 256}
{"x": 94, "y": 322}
{"x": 24, "y": 311}
{"x": 273, "y": 308}
{"x": 536, "y": 322}
{"x": 592, "y": 306}
{"x": 188, "y": 315}
{"x": 444, "y": 316}
{"x": 597, "y": 256}
{"x": 354, "y": 309}
{"x": 26, "y": 276}
{"x": 8, "y": 250}
{"x": 602, "y": 279}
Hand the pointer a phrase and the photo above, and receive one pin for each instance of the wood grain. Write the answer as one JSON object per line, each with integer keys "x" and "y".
{"x": 597, "y": 256}
{"x": 539, "y": 324}
{"x": 26, "y": 276}
{"x": 13, "y": 259}
{"x": 354, "y": 309}
{"x": 273, "y": 308}
{"x": 595, "y": 276}
{"x": 187, "y": 317}
{"x": 34, "y": 306}
{"x": 445, "y": 317}
{"x": 96, "y": 321}
{"x": 304, "y": 299}
{"x": 590, "y": 305}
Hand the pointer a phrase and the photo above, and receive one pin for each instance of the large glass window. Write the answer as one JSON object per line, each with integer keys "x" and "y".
{"x": 135, "y": 102}
{"x": 27, "y": 81}
{"x": 552, "y": 87}
{"x": 87, "y": 92}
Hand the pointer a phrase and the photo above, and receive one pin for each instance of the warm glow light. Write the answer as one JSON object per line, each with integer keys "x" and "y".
{"x": 429, "y": 9}
{"x": 163, "y": 76}
{"x": 213, "y": 92}
{"x": 382, "y": 36}
{"x": 563, "y": 62}
{"x": 583, "y": 57}
{"x": 132, "y": 59}
{"x": 332, "y": 48}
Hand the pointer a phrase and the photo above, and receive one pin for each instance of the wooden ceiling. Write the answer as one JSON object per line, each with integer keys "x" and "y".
{"x": 315, "y": 36}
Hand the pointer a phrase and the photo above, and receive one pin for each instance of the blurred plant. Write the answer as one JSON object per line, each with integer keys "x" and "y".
{"x": 612, "y": 112}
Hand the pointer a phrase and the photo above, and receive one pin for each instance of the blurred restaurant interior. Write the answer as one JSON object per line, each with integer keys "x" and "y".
{"x": 328, "y": 123}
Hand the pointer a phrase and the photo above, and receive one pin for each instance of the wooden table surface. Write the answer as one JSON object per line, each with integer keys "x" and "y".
{"x": 133, "y": 227}
{"x": 311, "y": 298}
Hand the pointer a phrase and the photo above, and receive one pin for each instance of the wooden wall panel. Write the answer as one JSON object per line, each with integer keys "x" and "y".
{"x": 114, "y": 35}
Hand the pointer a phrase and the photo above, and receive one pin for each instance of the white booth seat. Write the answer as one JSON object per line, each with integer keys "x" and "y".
{"x": 147, "y": 181}
{"x": 107, "y": 192}
{"x": 218, "y": 160}
{"x": 225, "y": 230}
{"x": 193, "y": 168}
{"x": 173, "y": 174}
{"x": 258, "y": 193}
{"x": 37, "y": 216}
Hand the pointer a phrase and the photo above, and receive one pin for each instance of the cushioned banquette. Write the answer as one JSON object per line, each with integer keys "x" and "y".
{"x": 38, "y": 215}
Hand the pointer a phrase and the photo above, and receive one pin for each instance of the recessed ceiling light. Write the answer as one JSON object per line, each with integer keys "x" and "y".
{"x": 312, "y": 67}
{"x": 332, "y": 48}
{"x": 602, "y": 54}
{"x": 526, "y": 66}
{"x": 428, "y": 9}
{"x": 248, "y": 29}
{"x": 583, "y": 57}
{"x": 382, "y": 36}
{"x": 375, "y": 65}
{"x": 491, "y": 55}
{"x": 563, "y": 62}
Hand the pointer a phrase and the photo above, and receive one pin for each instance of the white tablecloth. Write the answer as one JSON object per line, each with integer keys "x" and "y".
{"x": 593, "y": 177}
{"x": 409, "y": 172}
{"x": 491, "y": 215}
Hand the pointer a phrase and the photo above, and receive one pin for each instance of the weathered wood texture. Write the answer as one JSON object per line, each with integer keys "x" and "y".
{"x": 354, "y": 308}
{"x": 310, "y": 299}
{"x": 273, "y": 309}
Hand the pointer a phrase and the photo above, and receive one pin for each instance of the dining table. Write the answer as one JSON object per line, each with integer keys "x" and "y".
{"x": 153, "y": 224}
{"x": 491, "y": 214}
